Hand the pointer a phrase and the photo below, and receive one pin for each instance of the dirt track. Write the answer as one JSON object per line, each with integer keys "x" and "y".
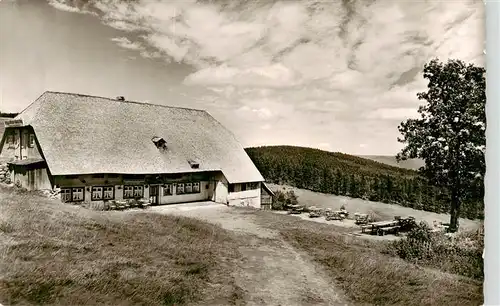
{"x": 271, "y": 272}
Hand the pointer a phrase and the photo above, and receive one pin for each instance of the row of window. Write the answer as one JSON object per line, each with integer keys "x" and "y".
{"x": 28, "y": 140}
{"x": 72, "y": 194}
{"x": 244, "y": 187}
{"x": 181, "y": 188}
{"x": 77, "y": 194}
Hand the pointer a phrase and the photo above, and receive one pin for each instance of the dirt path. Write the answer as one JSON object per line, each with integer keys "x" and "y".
{"x": 271, "y": 272}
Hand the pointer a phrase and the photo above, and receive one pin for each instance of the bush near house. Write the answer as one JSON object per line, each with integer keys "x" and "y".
{"x": 282, "y": 198}
{"x": 54, "y": 253}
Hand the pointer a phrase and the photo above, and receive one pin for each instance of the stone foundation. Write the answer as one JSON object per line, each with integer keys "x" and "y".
{"x": 4, "y": 174}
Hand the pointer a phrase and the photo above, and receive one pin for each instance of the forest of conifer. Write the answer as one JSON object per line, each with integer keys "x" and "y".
{"x": 348, "y": 175}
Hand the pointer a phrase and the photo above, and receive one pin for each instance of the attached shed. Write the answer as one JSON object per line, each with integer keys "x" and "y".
{"x": 30, "y": 173}
{"x": 266, "y": 197}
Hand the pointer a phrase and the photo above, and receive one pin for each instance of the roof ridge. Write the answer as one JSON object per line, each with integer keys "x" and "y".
{"x": 122, "y": 101}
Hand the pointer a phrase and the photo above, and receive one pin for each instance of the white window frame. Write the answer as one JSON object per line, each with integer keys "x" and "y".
{"x": 128, "y": 189}
{"x": 76, "y": 191}
{"x": 10, "y": 141}
{"x": 196, "y": 187}
{"x": 167, "y": 190}
{"x": 179, "y": 188}
{"x": 97, "y": 193}
{"x": 66, "y": 195}
{"x": 138, "y": 191}
{"x": 188, "y": 188}
{"x": 31, "y": 140}
{"x": 107, "y": 190}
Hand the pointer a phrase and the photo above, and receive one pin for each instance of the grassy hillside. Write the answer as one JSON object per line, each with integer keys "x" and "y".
{"x": 413, "y": 164}
{"x": 371, "y": 274}
{"x": 347, "y": 175}
{"x": 55, "y": 254}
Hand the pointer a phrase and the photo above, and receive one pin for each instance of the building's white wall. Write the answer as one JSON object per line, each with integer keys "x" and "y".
{"x": 203, "y": 195}
{"x": 119, "y": 192}
{"x": 211, "y": 190}
{"x": 214, "y": 189}
{"x": 87, "y": 181}
{"x": 221, "y": 189}
{"x": 245, "y": 198}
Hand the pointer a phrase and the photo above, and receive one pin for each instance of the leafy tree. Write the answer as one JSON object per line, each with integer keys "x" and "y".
{"x": 450, "y": 133}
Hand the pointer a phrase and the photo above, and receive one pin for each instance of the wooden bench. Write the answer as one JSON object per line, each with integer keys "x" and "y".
{"x": 384, "y": 230}
{"x": 296, "y": 209}
{"x": 314, "y": 212}
{"x": 144, "y": 203}
{"x": 365, "y": 227}
{"x": 111, "y": 206}
{"x": 380, "y": 227}
{"x": 120, "y": 204}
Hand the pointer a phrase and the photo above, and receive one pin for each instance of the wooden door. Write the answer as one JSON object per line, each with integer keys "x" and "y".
{"x": 31, "y": 179}
{"x": 154, "y": 194}
{"x": 24, "y": 144}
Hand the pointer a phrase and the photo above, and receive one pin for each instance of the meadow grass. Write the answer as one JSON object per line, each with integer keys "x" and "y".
{"x": 54, "y": 253}
{"x": 370, "y": 273}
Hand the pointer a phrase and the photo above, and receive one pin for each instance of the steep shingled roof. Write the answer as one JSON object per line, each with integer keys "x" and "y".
{"x": 81, "y": 134}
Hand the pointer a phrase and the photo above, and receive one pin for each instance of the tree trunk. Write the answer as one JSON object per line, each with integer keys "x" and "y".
{"x": 454, "y": 211}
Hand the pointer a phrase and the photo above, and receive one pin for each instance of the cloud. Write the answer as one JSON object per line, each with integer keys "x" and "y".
{"x": 73, "y": 6}
{"x": 326, "y": 68}
{"x": 63, "y": 7}
{"x": 127, "y": 44}
{"x": 275, "y": 75}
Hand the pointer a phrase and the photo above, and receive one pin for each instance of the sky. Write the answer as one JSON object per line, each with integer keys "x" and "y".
{"x": 336, "y": 75}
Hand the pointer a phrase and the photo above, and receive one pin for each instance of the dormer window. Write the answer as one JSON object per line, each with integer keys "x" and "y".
{"x": 10, "y": 141}
{"x": 31, "y": 142}
{"x": 194, "y": 164}
{"x": 159, "y": 142}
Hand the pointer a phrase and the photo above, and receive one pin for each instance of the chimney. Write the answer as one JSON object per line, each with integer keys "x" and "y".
{"x": 194, "y": 164}
{"x": 120, "y": 98}
{"x": 159, "y": 142}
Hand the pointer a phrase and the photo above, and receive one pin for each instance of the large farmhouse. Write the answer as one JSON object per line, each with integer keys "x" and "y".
{"x": 98, "y": 149}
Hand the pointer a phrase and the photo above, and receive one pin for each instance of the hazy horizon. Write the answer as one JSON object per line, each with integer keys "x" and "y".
{"x": 338, "y": 76}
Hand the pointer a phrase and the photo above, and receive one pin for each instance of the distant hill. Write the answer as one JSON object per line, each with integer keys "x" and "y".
{"x": 413, "y": 164}
{"x": 353, "y": 176}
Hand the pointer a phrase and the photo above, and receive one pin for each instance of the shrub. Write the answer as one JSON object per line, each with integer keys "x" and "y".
{"x": 460, "y": 253}
{"x": 282, "y": 199}
{"x": 416, "y": 245}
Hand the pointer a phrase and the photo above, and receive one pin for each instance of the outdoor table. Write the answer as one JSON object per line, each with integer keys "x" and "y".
{"x": 374, "y": 226}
